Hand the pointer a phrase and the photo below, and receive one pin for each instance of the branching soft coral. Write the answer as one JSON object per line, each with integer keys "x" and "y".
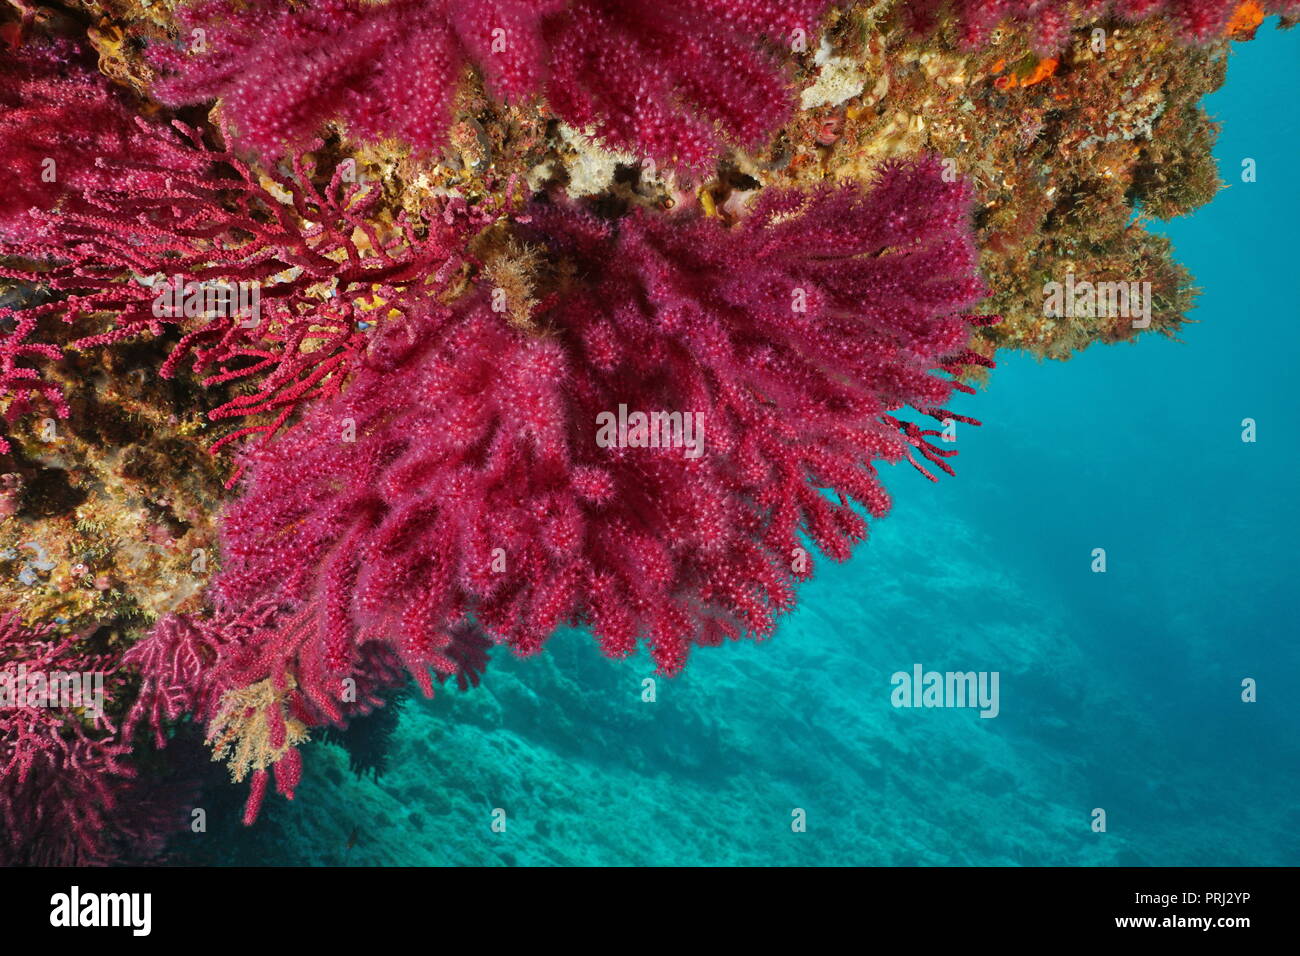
{"x": 63, "y": 770}
{"x": 1195, "y": 20}
{"x": 55, "y": 121}
{"x": 460, "y": 478}
{"x": 670, "y": 79}
{"x": 21, "y": 382}
{"x": 158, "y": 202}
{"x": 231, "y": 673}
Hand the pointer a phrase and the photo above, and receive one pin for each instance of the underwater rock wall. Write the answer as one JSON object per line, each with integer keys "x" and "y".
{"x": 576, "y": 203}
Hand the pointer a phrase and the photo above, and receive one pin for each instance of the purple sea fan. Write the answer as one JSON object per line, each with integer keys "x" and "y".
{"x": 196, "y": 667}
{"x": 179, "y": 666}
{"x": 153, "y": 204}
{"x": 466, "y": 475}
{"x": 670, "y": 79}
{"x": 57, "y": 117}
{"x": 20, "y": 382}
{"x": 66, "y": 786}
{"x": 54, "y": 124}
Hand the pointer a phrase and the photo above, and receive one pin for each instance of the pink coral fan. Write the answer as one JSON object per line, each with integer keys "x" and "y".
{"x": 178, "y": 665}
{"x": 20, "y": 382}
{"x": 53, "y": 130}
{"x": 188, "y": 664}
{"x": 472, "y": 471}
{"x": 66, "y": 792}
{"x": 670, "y": 79}
{"x": 191, "y": 667}
{"x": 1196, "y": 21}
{"x": 160, "y": 210}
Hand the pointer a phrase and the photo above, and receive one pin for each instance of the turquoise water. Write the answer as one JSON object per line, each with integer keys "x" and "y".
{"x": 1119, "y": 691}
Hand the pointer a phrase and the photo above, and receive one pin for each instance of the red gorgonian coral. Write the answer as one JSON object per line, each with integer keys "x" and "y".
{"x": 1196, "y": 21}
{"x": 199, "y": 668}
{"x": 63, "y": 771}
{"x": 466, "y": 478}
{"x": 21, "y": 382}
{"x": 56, "y": 119}
{"x": 669, "y": 79}
{"x": 142, "y": 205}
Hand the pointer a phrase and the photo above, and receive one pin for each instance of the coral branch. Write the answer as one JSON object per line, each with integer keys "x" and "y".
{"x": 64, "y": 776}
{"x": 660, "y": 77}
{"x": 463, "y": 476}
{"x": 159, "y": 206}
